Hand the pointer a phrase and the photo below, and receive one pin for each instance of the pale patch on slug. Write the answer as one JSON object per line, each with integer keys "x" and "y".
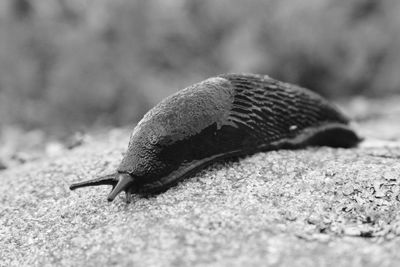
{"x": 190, "y": 104}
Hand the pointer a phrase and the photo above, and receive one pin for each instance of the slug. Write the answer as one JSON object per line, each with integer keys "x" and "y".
{"x": 230, "y": 115}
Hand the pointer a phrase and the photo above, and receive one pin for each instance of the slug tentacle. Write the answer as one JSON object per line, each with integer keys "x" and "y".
{"x": 104, "y": 180}
{"x": 125, "y": 182}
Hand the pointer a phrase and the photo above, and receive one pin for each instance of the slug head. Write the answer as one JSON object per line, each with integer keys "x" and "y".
{"x": 120, "y": 182}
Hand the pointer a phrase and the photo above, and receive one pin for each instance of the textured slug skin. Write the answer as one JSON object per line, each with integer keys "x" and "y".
{"x": 225, "y": 116}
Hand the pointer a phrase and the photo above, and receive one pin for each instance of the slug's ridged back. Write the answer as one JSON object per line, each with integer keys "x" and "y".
{"x": 272, "y": 111}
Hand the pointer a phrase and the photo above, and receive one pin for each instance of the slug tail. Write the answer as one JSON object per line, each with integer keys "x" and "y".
{"x": 104, "y": 180}
{"x": 125, "y": 182}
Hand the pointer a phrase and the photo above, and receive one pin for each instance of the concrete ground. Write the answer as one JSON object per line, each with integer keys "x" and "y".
{"x": 312, "y": 207}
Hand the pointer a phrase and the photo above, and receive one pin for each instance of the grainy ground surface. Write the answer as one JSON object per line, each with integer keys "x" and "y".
{"x": 313, "y": 207}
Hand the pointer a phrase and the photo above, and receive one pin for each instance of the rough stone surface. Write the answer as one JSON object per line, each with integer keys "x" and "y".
{"x": 312, "y": 207}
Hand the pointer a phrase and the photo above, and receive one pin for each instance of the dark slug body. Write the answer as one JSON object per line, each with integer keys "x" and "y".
{"x": 222, "y": 117}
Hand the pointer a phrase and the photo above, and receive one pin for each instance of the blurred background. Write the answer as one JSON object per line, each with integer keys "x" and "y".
{"x": 70, "y": 66}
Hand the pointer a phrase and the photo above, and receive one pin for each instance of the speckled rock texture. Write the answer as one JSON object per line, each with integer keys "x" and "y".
{"x": 312, "y": 207}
